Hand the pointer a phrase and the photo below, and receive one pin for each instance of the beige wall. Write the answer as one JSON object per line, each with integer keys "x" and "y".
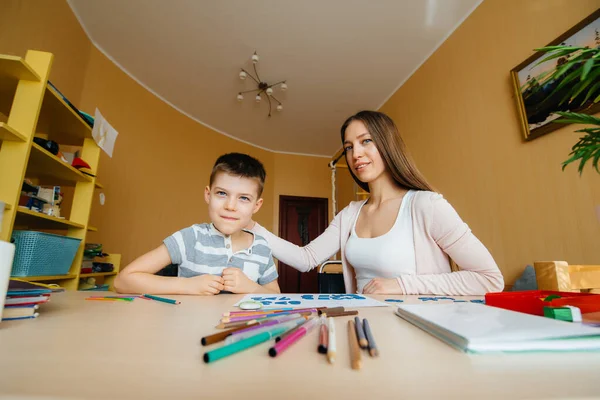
{"x": 458, "y": 116}
{"x": 300, "y": 176}
{"x": 162, "y": 160}
{"x": 47, "y": 25}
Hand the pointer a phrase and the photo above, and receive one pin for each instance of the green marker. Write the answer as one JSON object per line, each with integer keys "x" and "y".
{"x": 163, "y": 299}
{"x": 236, "y": 347}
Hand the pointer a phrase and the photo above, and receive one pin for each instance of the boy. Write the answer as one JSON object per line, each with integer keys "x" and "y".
{"x": 221, "y": 256}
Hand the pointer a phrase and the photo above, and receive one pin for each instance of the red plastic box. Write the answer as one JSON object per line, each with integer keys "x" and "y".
{"x": 532, "y": 301}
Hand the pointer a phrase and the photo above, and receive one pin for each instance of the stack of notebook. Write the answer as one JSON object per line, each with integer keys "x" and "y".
{"x": 23, "y": 299}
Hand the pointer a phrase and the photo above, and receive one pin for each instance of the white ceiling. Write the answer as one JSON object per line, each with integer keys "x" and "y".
{"x": 338, "y": 57}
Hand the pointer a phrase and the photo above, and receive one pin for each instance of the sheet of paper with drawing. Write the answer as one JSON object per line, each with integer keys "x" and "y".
{"x": 313, "y": 300}
{"x": 104, "y": 134}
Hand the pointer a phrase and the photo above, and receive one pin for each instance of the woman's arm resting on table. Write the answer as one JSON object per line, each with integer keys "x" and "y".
{"x": 479, "y": 273}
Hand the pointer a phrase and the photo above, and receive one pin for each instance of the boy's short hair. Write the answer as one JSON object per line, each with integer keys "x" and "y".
{"x": 243, "y": 165}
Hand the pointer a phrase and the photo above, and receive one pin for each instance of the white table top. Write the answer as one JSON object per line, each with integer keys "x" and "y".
{"x": 147, "y": 349}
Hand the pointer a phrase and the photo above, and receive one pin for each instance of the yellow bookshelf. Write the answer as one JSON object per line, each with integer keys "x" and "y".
{"x": 16, "y": 68}
{"x": 46, "y": 166}
{"x": 106, "y": 277}
{"x": 39, "y": 220}
{"x": 9, "y": 134}
{"x": 33, "y": 108}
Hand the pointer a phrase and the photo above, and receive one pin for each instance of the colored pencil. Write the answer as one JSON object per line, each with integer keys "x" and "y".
{"x": 233, "y": 348}
{"x": 323, "y": 336}
{"x": 162, "y": 299}
{"x": 373, "y": 351}
{"x": 331, "y": 342}
{"x": 226, "y": 320}
{"x": 289, "y": 340}
{"x": 271, "y": 321}
{"x": 220, "y": 336}
{"x": 355, "y": 359}
{"x": 343, "y": 314}
{"x": 236, "y": 324}
{"x": 360, "y": 333}
{"x": 289, "y": 324}
{"x": 233, "y": 324}
{"x": 250, "y": 312}
{"x": 262, "y": 310}
{"x": 236, "y": 317}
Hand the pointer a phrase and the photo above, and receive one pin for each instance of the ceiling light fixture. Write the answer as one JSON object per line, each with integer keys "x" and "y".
{"x": 262, "y": 88}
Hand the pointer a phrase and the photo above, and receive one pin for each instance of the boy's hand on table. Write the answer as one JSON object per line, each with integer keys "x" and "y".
{"x": 237, "y": 282}
{"x": 205, "y": 284}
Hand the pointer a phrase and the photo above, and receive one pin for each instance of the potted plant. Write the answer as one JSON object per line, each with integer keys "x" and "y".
{"x": 574, "y": 85}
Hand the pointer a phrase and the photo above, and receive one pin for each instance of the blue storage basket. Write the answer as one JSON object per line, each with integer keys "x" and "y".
{"x": 40, "y": 253}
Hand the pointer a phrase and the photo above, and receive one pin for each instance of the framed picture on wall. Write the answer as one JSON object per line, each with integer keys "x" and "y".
{"x": 536, "y": 109}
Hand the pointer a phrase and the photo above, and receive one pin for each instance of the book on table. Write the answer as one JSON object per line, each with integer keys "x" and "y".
{"x": 477, "y": 328}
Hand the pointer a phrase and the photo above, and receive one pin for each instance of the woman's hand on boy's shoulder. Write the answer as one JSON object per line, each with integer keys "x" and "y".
{"x": 236, "y": 281}
{"x": 204, "y": 284}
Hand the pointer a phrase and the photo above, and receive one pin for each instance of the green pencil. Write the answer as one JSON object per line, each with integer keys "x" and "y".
{"x": 164, "y": 300}
{"x": 236, "y": 347}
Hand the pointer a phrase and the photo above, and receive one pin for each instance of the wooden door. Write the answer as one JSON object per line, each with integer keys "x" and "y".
{"x": 301, "y": 219}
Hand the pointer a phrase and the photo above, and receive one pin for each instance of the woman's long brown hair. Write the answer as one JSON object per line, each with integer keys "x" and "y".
{"x": 393, "y": 151}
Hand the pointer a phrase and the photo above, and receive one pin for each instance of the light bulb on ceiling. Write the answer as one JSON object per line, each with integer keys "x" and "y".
{"x": 261, "y": 86}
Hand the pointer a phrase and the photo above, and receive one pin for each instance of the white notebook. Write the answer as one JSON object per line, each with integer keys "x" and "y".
{"x": 477, "y": 328}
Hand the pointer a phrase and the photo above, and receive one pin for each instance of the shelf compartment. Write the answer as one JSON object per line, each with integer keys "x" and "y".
{"x": 16, "y": 68}
{"x": 9, "y": 134}
{"x": 13, "y": 69}
{"x": 43, "y": 164}
{"x": 61, "y": 122}
{"x": 37, "y": 220}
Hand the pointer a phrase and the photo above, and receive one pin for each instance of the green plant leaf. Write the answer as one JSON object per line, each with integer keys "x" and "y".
{"x": 546, "y": 49}
{"x": 577, "y": 89}
{"x": 578, "y": 118}
{"x": 587, "y": 67}
{"x": 595, "y": 161}
{"x": 553, "y": 56}
{"x": 591, "y": 91}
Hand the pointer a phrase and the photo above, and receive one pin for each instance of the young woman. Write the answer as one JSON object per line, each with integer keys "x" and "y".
{"x": 400, "y": 240}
